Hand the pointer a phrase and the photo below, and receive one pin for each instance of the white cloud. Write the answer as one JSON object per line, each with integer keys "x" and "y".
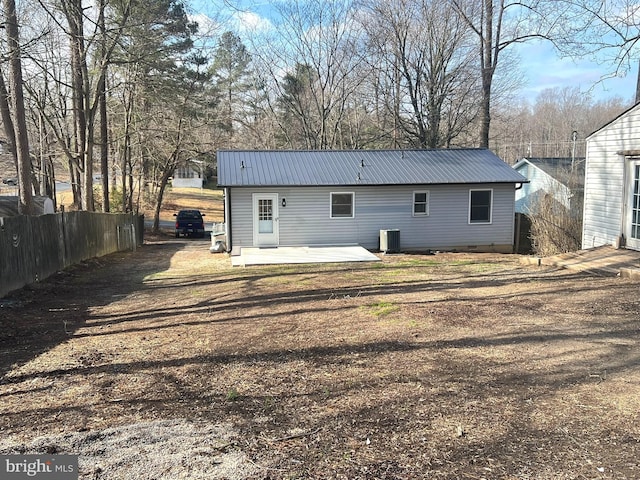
{"x": 247, "y": 21}
{"x": 205, "y": 23}
{"x": 545, "y": 69}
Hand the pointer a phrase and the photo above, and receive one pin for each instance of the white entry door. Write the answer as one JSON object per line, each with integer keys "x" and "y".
{"x": 265, "y": 219}
{"x": 632, "y": 222}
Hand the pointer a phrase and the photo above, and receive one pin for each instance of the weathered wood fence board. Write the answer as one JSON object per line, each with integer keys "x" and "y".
{"x": 35, "y": 247}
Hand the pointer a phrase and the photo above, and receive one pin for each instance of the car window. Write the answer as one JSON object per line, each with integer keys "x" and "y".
{"x": 189, "y": 215}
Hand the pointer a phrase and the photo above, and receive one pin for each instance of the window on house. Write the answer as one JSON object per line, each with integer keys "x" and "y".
{"x": 420, "y": 203}
{"x": 480, "y": 206}
{"x": 342, "y": 205}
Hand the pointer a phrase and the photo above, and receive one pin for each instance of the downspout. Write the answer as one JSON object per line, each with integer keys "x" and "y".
{"x": 227, "y": 217}
{"x": 516, "y": 244}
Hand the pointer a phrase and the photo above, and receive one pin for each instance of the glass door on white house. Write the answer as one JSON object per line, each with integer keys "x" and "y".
{"x": 632, "y": 230}
{"x": 265, "y": 219}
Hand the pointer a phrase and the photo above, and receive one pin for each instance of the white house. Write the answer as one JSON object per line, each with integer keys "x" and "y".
{"x": 561, "y": 178}
{"x": 455, "y": 199}
{"x": 190, "y": 174}
{"x": 612, "y": 183}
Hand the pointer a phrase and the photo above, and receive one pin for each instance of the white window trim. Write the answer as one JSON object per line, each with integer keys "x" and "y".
{"x": 427, "y": 201}
{"x": 353, "y": 205}
{"x": 490, "y": 206}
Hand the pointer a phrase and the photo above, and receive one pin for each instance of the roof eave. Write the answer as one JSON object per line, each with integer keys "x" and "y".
{"x": 337, "y": 185}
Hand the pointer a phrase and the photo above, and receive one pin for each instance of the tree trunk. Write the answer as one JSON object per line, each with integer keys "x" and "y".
{"x": 164, "y": 180}
{"x": 25, "y": 205}
{"x": 7, "y": 121}
{"x": 485, "y": 121}
{"x": 104, "y": 147}
{"x": 104, "y": 128}
{"x": 488, "y": 67}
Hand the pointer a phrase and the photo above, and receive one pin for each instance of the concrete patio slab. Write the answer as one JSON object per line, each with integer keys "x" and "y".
{"x": 287, "y": 255}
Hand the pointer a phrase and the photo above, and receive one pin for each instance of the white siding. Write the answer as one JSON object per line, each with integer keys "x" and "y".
{"x": 604, "y": 179}
{"x": 187, "y": 177}
{"x": 186, "y": 183}
{"x": 305, "y": 219}
{"x": 539, "y": 183}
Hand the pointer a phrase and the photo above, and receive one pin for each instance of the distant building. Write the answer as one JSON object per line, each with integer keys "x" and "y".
{"x": 561, "y": 178}
{"x": 9, "y": 206}
{"x": 189, "y": 175}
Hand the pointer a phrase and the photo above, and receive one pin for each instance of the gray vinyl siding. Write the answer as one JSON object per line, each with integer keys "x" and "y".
{"x": 604, "y": 179}
{"x": 306, "y": 218}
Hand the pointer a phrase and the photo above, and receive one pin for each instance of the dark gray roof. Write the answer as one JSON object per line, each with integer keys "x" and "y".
{"x": 361, "y": 167}
{"x": 558, "y": 168}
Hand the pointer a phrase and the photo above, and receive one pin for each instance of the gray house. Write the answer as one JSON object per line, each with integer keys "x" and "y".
{"x": 612, "y": 183}
{"x": 561, "y": 178}
{"x": 458, "y": 199}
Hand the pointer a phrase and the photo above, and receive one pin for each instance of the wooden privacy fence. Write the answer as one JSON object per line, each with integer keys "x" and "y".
{"x": 35, "y": 247}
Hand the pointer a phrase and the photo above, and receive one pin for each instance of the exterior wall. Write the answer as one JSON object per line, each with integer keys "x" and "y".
{"x": 306, "y": 218}
{"x": 604, "y": 179}
{"x": 539, "y": 184}
{"x": 186, "y": 183}
{"x": 187, "y": 177}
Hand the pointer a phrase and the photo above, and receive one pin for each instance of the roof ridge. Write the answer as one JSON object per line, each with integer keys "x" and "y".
{"x": 280, "y": 150}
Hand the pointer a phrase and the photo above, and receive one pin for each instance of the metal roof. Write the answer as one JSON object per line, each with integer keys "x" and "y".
{"x": 563, "y": 169}
{"x": 361, "y": 167}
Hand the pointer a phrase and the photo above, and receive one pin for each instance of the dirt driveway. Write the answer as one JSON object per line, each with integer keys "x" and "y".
{"x": 168, "y": 363}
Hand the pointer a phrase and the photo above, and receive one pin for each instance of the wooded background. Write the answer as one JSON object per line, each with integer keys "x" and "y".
{"x": 114, "y": 95}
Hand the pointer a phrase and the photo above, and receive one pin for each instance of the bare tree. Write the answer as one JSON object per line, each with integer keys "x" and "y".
{"x": 606, "y": 31}
{"x": 89, "y": 88}
{"x": 102, "y": 105}
{"x": 311, "y": 66}
{"x": 424, "y": 48}
{"x": 49, "y": 94}
{"x": 17, "y": 103}
{"x": 498, "y": 24}
{"x": 546, "y": 127}
{"x": 175, "y": 139}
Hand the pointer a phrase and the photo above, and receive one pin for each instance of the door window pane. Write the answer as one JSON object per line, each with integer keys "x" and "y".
{"x": 265, "y": 216}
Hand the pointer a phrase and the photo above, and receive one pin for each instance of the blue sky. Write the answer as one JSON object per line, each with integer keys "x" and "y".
{"x": 542, "y": 67}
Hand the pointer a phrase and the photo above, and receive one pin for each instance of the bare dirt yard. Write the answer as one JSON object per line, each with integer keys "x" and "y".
{"x": 168, "y": 363}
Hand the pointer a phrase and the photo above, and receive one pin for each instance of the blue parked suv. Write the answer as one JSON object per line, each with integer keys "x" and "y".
{"x": 189, "y": 223}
